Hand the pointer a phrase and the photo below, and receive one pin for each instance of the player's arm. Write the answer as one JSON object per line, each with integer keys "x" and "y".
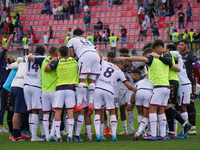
{"x": 134, "y": 58}
{"x": 132, "y": 98}
{"x": 167, "y": 62}
{"x": 8, "y": 41}
{"x": 99, "y": 53}
{"x": 53, "y": 63}
{"x": 31, "y": 57}
{"x": 129, "y": 86}
{"x": 71, "y": 52}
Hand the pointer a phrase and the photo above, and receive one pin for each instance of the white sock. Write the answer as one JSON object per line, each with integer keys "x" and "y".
{"x": 71, "y": 126}
{"x": 91, "y": 93}
{"x": 124, "y": 125}
{"x": 34, "y": 125}
{"x": 143, "y": 124}
{"x": 52, "y": 118}
{"x": 113, "y": 124}
{"x": 53, "y": 128}
{"x": 101, "y": 129}
{"x": 131, "y": 120}
{"x": 88, "y": 128}
{"x": 153, "y": 123}
{"x": 97, "y": 123}
{"x": 184, "y": 115}
{"x": 175, "y": 125}
{"x": 30, "y": 121}
{"x": 162, "y": 122}
{"x": 41, "y": 123}
{"x": 64, "y": 120}
{"x": 67, "y": 125}
{"x": 139, "y": 119}
{"x": 57, "y": 127}
{"x": 80, "y": 93}
{"x": 79, "y": 126}
{"x": 46, "y": 124}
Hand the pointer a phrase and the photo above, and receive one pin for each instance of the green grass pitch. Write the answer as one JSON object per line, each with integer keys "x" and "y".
{"x": 124, "y": 143}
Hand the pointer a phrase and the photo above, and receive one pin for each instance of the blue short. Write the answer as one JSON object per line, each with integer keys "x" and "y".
{"x": 18, "y": 101}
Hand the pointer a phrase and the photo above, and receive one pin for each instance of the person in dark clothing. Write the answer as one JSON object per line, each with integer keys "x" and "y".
{"x": 77, "y": 3}
{"x": 95, "y": 37}
{"x": 48, "y": 7}
{"x": 99, "y": 37}
{"x": 71, "y": 10}
{"x": 11, "y": 27}
{"x": 107, "y": 30}
{"x": 87, "y": 2}
{"x": 181, "y": 16}
{"x": 51, "y": 33}
{"x": 99, "y": 25}
{"x": 65, "y": 11}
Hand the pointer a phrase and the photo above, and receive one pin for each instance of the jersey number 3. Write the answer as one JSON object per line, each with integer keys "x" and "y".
{"x": 108, "y": 72}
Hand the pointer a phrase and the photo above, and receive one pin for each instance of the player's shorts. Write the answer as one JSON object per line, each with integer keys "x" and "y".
{"x": 18, "y": 101}
{"x": 116, "y": 99}
{"x": 102, "y": 95}
{"x": 47, "y": 101}
{"x": 160, "y": 96}
{"x": 64, "y": 97}
{"x": 32, "y": 97}
{"x": 89, "y": 64}
{"x": 124, "y": 97}
{"x": 184, "y": 94}
{"x": 85, "y": 101}
{"x": 142, "y": 97}
{"x": 174, "y": 86}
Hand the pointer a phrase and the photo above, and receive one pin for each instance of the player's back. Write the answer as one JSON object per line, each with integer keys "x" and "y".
{"x": 109, "y": 76}
{"x": 33, "y": 73}
{"x": 182, "y": 75}
{"x": 144, "y": 84}
{"x": 80, "y": 45}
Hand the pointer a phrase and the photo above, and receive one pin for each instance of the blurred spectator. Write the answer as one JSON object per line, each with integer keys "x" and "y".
{"x": 19, "y": 36}
{"x": 17, "y": 17}
{"x": 196, "y": 39}
{"x": 152, "y": 23}
{"x": 139, "y": 3}
{"x": 113, "y": 42}
{"x": 171, "y": 27}
{"x": 6, "y": 27}
{"x": 90, "y": 38}
{"x": 157, "y": 5}
{"x": 144, "y": 28}
{"x": 141, "y": 15}
{"x": 152, "y": 6}
{"x": 104, "y": 36}
{"x": 70, "y": 31}
{"x": 87, "y": 2}
{"x": 185, "y": 35}
{"x": 1, "y": 26}
{"x": 27, "y": 2}
{"x": 146, "y": 3}
{"x": 86, "y": 9}
{"x": 155, "y": 32}
{"x": 99, "y": 37}
{"x": 170, "y": 10}
{"x": 50, "y": 33}
{"x": 31, "y": 38}
{"x": 55, "y": 12}
{"x": 67, "y": 38}
{"x": 107, "y": 30}
{"x": 71, "y": 11}
{"x": 164, "y": 3}
{"x": 14, "y": 21}
{"x": 48, "y": 7}
{"x": 140, "y": 31}
{"x": 45, "y": 38}
{"x": 0, "y": 12}
{"x": 99, "y": 25}
{"x": 163, "y": 12}
{"x": 7, "y": 6}
{"x": 16, "y": 34}
{"x": 167, "y": 31}
{"x": 87, "y": 20}
{"x": 11, "y": 28}
{"x": 30, "y": 29}
{"x": 175, "y": 37}
{"x": 141, "y": 8}
{"x": 8, "y": 17}
{"x": 77, "y": 3}
{"x": 95, "y": 37}
{"x": 191, "y": 33}
{"x": 65, "y": 11}
{"x": 20, "y": 26}
{"x": 111, "y": 2}
{"x": 146, "y": 17}
{"x": 123, "y": 33}
{"x": 189, "y": 13}
{"x": 60, "y": 11}
{"x": 181, "y": 16}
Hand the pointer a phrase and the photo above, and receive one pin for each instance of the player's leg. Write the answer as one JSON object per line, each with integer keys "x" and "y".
{"x": 80, "y": 121}
{"x": 88, "y": 123}
{"x": 43, "y": 135}
{"x": 102, "y": 123}
{"x": 91, "y": 82}
{"x": 130, "y": 119}
{"x": 106, "y": 122}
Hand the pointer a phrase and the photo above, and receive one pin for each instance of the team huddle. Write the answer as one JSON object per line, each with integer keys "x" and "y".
{"x": 77, "y": 79}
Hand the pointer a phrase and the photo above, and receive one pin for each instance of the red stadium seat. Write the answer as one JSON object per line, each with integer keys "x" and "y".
{"x": 130, "y": 46}
{"x": 196, "y": 5}
{"x": 114, "y": 8}
{"x": 59, "y": 28}
{"x": 108, "y": 15}
{"x": 24, "y": 30}
{"x": 130, "y": 8}
{"x": 195, "y": 11}
{"x": 116, "y": 27}
{"x": 61, "y": 41}
{"x": 123, "y": 14}
{"x": 119, "y": 8}
{"x": 107, "y": 21}
{"x": 64, "y": 28}
{"x": 103, "y": 15}
{"x": 117, "y": 20}
{"x": 132, "y": 33}
{"x": 129, "y": 14}
{"x": 123, "y": 20}
{"x": 113, "y": 15}
{"x": 28, "y": 18}
{"x": 35, "y": 23}
{"x": 124, "y": 8}
{"x": 51, "y": 41}
{"x": 134, "y": 14}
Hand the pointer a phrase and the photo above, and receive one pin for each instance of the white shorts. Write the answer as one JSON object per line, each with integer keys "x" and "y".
{"x": 85, "y": 101}
{"x": 184, "y": 94}
{"x": 142, "y": 97}
{"x": 47, "y": 101}
{"x": 64, "y": 97}
{"x": 160, "y": 96}
{"x": 124, "y": 96}
{"x": 102, "y": 96}
{"x": 32, "y": 97}
{"x": 116, "y": 102}
{"x": 89, "y": 64}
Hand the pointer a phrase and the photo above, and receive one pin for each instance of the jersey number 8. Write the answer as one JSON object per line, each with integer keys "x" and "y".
{"x": 108, "y": 72}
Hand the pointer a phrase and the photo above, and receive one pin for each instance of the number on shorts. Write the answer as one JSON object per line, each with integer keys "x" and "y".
{"x": 108, "y": 72}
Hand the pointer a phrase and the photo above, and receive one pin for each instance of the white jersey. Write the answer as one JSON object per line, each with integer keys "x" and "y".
{"x": 109, "y": 76}
{"x": 80, "y": 45}
{"x": 182, "y": 75}
{"x": 144, "y": 84}
{"x": 33, "y": 73}
{"x": 18, "y": 81}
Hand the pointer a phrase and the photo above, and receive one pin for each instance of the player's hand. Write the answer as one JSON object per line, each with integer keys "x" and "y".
{"x": 11, "y": 37}
{"x": 155, "y": 55}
